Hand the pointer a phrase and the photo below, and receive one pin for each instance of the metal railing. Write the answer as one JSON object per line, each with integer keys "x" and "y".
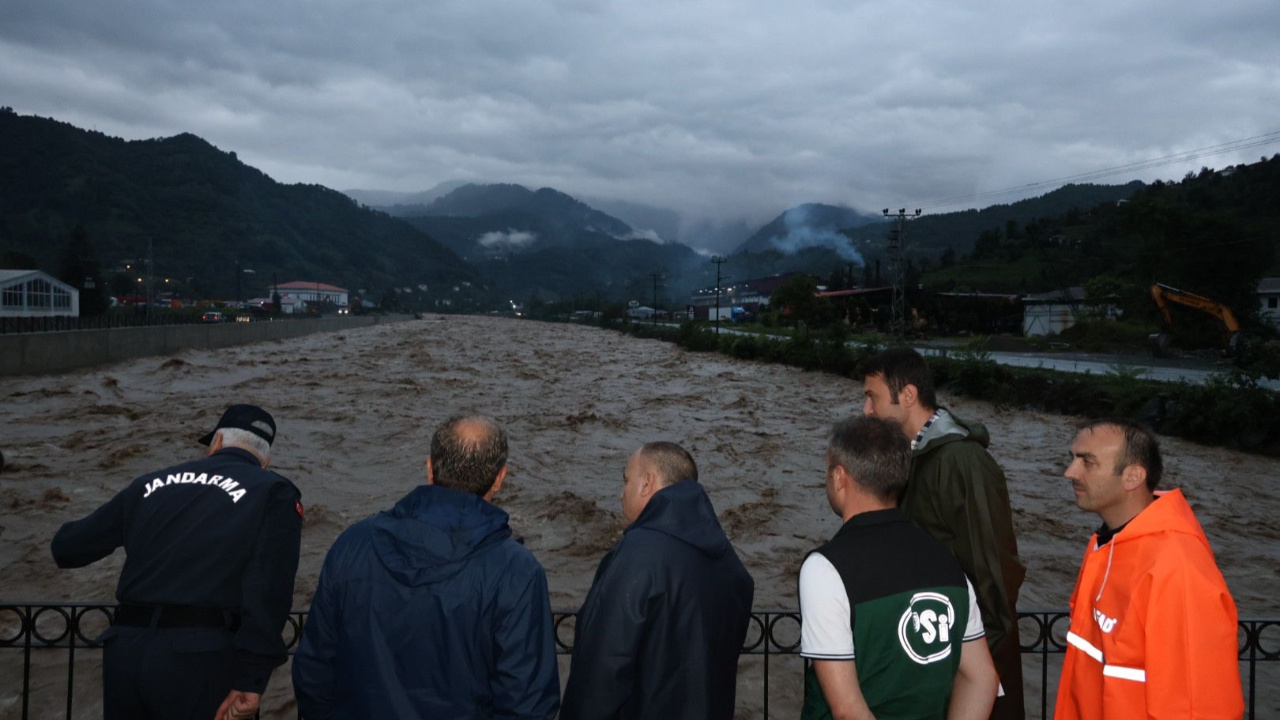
{"x": 71, "y": 627}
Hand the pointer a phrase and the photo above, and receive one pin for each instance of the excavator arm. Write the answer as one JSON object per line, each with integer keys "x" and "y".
{"x": 1165, "y": 294}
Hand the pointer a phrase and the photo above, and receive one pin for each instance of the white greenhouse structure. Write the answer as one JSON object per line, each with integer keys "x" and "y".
{"x": 33, "y": 294}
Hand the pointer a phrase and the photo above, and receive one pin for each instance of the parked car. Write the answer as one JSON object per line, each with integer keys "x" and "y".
{"x": 212, "y": 317}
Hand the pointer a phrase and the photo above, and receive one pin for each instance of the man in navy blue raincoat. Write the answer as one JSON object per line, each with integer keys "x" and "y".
{"x": 433, "y": 610}
{"x": 662, "y": 626}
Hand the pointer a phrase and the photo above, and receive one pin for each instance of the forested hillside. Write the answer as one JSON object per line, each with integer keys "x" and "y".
{"x": 208, "y": 216}
{"x": 933, "y": 233}
{"x": 1214, "y": 233}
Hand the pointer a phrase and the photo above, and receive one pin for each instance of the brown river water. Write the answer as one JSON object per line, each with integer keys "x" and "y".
{"x": 355, "y": 412}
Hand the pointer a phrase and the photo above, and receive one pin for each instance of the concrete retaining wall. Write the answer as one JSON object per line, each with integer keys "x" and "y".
{"x": 55, "y": 352}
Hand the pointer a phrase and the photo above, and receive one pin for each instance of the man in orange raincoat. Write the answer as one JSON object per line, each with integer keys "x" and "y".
{"x": 1153, "y": 626}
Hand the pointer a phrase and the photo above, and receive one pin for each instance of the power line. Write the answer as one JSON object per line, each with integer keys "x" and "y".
{"x": 1268, "y": 138}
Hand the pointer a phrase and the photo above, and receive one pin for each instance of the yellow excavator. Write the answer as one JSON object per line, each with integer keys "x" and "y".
{"x": 1165, "y": 294}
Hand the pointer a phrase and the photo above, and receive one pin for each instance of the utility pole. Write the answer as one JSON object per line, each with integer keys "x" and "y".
{"x": 656, "y": 277}
{"x": 718, "y": 260}
{"x": 149, "y": 260}
{"x": 897, "y": 241}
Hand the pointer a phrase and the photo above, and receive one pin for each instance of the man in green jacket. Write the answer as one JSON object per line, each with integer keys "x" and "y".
{"x": 957, "y": 494}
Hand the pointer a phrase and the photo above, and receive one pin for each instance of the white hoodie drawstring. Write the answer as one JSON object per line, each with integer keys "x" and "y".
{"x": 1107, "y": 574}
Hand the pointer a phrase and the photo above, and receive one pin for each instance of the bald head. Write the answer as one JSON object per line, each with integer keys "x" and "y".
{"x": 468, "y": 453}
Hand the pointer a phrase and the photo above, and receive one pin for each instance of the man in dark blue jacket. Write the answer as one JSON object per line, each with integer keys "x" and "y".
{"x": 661, "y": 629}
{"x": 211, "y": 548}
{"x": 433, "y": 610}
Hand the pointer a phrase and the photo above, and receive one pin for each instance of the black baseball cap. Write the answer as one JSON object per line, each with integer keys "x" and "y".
{"x": 245, "y": 417}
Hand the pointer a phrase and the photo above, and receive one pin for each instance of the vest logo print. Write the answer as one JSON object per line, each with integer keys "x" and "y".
{"x": 1107, "y": 624}
{"x": 925, "y": 628}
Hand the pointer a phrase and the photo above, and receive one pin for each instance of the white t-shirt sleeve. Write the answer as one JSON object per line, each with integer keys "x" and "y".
{"x": 825, "y": 630}
{"x": 973, "y": 630}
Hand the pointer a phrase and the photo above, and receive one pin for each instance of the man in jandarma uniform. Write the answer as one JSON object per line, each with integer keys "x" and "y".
{"x": 211, "y": 549}
{"x": 890, "y": 625}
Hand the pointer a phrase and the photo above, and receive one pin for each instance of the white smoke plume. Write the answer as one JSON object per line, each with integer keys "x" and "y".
{"x": 643, "y": 235}
{"x": 510, "y": 238}
{"x": 800, "y": 234}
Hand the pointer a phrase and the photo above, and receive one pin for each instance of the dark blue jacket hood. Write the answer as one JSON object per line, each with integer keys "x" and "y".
{"x": 430, "y": 534}
{"x": 683, "y": 511}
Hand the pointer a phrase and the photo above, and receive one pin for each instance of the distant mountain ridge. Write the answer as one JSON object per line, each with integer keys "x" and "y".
{"x": 544, "y": 242}
{"x": 931, "y": 234}
{"x": 550, "y": 207}
{"x": 208, "y": 216}
{"x": 663, "y": 221}
{"x": 387, "y": 198}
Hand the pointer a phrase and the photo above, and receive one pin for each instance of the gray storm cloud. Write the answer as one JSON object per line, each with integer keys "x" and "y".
{"x": 711, "y": 109}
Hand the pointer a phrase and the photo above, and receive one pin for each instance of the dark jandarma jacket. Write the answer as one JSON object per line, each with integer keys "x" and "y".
{"x": 958, "y": 494}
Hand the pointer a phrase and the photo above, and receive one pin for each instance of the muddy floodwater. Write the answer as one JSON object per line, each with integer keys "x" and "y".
{"x": 355, "y": 411}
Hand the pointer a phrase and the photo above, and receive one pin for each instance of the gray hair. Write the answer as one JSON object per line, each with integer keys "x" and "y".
{"x": 235, "y": 437}
{"x": 874, "y": 452}
{"x": 672, "y": 462}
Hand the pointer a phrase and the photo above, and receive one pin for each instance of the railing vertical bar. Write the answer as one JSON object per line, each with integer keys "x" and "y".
{"x": 1253, "y": 635}
{"x": 28, "y": 629}
{"x": 767, "y": 629}
{"x": 1046, "y": 631}
{"x": 72, "y": 623}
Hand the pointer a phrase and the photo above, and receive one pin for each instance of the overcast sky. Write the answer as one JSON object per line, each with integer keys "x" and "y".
{"x": 721, "y": 109}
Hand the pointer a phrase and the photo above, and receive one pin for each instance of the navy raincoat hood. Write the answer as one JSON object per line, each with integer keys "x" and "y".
{"x": 683, "y": 511}
{"x": 432, "y": 532}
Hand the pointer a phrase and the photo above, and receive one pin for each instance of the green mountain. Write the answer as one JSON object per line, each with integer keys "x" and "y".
{"x": 930, "y": 235}
{"x": 548, "y": 244}
{"x": 208, "y": 216}
{"x": 478, "y": 220}
{"x": 598, "y": 266}
{"x": 384, "y": 198}
{"x": 1214, "y": 233}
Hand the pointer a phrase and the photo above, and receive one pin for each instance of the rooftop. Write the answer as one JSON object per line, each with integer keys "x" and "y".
{"x": 309, "y": 285}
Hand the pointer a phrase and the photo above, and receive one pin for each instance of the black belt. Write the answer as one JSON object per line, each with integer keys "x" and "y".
{"x": 176, "y": 616}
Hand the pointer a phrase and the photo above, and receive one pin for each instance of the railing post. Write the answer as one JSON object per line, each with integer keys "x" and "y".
{"x": 1252, "y": 636}
{"x": 28, "y": 627}
{"x": 1045, "y": 633}
{"x": 72, "y": 623}
{"x": 768, "y": 630}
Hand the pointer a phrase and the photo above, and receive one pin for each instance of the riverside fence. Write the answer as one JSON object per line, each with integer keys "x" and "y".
{"x": 62, "y": 631}
{"x": 42, "y": 353}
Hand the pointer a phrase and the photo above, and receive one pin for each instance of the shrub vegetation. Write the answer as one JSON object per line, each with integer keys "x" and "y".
{"x": 1231, "y": 410}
